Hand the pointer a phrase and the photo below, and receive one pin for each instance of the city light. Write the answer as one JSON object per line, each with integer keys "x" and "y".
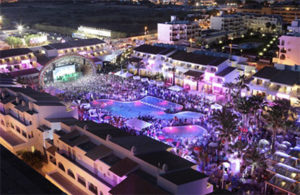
{"x": 20, "y": 28}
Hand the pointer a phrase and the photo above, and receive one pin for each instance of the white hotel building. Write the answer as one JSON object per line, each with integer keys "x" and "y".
{"x": 87, "y": 47}
{"x": 178, "y": 31}
{"x": 277, "y": 83}
{"x": 239, "y": 23}
{"x": 18, "y": 62}
{"x": 89, "y": 158}
{"x": 289, "y": 46}
{"x": 199, "y": 72}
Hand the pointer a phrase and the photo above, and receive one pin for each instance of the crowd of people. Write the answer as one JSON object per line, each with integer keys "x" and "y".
{"x": 207, "y": 150}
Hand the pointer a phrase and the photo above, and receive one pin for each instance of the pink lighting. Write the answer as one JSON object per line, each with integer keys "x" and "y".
{"x": 208, "y": 76}
{"x": 138, "y": 103}
{"x": 164, "y": 103}
{"x": 283, "y": 96}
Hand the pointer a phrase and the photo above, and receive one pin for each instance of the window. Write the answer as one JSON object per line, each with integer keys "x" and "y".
{"x": 61, "y": 166}
{"x": 52, "y": 159}
{"x": 24, "y": 134}
{"x": 12, "y": 126}
{"x": 259, "y": 81}
{"x": 70, "y": 173}
{"x": 81, "y": 180}
{"x": 2, "y": 122}
{"x": 93, "y": 188}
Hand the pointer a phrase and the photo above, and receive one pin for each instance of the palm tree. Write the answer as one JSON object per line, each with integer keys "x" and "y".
{"x": 241, "y": 83}
{"x": 257, "y": 102}
{"x": 253, "y": 158}
{"x": 268, "y": 25}
{"x": 230, "y": 86}
{"x": 243, "y": 105}
{"x": 280, "y": 116}
{"x": 226, "y": 122}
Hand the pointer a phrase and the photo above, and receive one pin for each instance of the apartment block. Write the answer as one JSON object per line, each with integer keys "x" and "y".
{"x": 191, "y": 70}
{"x": 287, "y": 12}
{"x": 87, "y": 47}
{"x": 276, "y": 83}
{"x": 17, "y": 61}
{"x": 102, "y": 159}
{"x": 178, "y": 31}
{"x": 239, "y": 22}
{"x": 22, "y": 111}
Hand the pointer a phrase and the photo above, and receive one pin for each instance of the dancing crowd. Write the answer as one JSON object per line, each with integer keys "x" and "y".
{"x": 207, "y": 150}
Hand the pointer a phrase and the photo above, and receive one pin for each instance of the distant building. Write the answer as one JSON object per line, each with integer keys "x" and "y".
{"x": 207, "y": 3}
{"x": 263, "y": 23}
{"x": 178, "y": 31}
{"x": 287, "y": 12}
{"x": 227, "y": 23}
{"x": 289, "y": 47}
{"x": 239, "y": 22}
{"x": 277, "y": 83}
{"x": 87, "y": 47}
{"x": 295, "y": 26}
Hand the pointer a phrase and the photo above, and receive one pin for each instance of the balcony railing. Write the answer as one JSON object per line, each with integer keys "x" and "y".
{"x": 24, "y": 122}
{"x": 84, "y": 169}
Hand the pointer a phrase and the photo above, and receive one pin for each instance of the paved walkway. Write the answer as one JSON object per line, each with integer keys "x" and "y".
{"x": 66, "y": 184}
{"x": 12, "y": 139}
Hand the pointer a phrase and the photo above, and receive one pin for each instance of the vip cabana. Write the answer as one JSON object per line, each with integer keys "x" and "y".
{"x": 137, "y": 124}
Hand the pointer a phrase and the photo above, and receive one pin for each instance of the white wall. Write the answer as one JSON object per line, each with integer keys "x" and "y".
{"x": 216, "y": 23}
{"x": 163, "y": 33}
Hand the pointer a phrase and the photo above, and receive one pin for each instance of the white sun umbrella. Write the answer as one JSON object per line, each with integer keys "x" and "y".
{"x": 288, "y": 144}
{"x": 263, "y": 142}
{"x": 213, "y": 144}
{"x": 282, "y": 147}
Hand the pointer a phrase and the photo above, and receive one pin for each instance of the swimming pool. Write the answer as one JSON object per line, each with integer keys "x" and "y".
{"x": 184, "y": 131}
{"x": 138, "y": 108}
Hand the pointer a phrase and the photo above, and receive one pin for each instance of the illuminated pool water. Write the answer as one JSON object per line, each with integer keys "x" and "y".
{"x": 184, "y": 131}
{"x": 148, "y": 106}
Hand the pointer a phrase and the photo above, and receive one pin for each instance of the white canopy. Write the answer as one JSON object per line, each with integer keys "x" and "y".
{"x": 152, "y": 82}
{"x": 126, "y": 74}
{"x": 119, "y": 73}
{"x": 216, "y": 107}
{"x": 176, "y": 88}
{"x": 160, "y": 83}
{"x": 136, "y": 78}
{"x": 137, "y": 124}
